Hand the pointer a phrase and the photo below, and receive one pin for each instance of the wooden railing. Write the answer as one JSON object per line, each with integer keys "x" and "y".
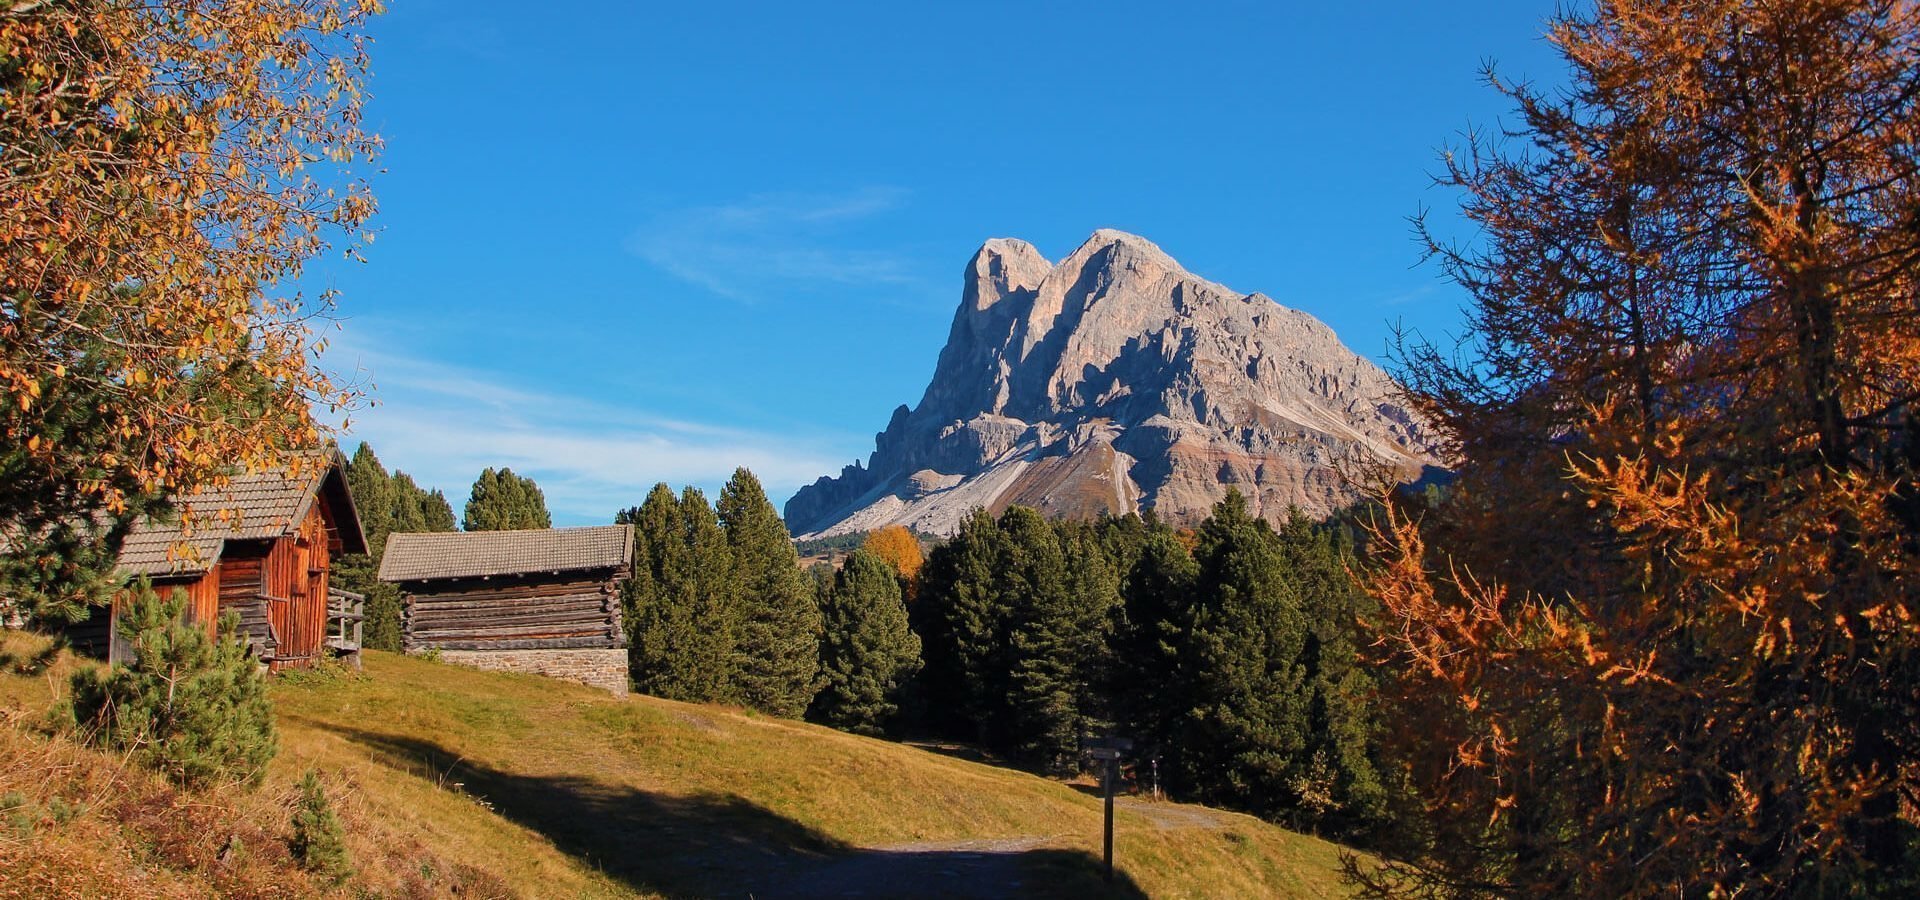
{"x": 346, "y": 621}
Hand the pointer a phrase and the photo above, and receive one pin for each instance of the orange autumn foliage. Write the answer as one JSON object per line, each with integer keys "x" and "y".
{"x": 165, "y": 171}
{"x": 1660, "y": 637}
{"x": 899, "y": 549}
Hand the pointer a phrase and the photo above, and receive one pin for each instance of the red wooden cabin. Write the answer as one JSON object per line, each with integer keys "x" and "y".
{"x": 262, "y": 546}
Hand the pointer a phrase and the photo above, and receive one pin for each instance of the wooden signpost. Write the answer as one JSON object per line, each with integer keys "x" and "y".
{"x": 1109, "y": 750}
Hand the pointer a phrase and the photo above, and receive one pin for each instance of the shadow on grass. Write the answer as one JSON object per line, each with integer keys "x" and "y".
{"x": 715, "y": 845}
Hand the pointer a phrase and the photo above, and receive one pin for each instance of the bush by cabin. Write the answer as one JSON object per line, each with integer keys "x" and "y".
{"x": 546, "y": 602}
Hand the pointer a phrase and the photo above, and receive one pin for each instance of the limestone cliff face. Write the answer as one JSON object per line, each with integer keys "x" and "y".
{"x": 1116, "y": 380}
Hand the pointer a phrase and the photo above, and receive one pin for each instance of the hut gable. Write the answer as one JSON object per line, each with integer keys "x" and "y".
{"x": 545, "y": 602}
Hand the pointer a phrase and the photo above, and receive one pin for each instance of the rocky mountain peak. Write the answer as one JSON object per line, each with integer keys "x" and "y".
{"x": 1116, "y": 379}
{"x": 1002, "y": 267}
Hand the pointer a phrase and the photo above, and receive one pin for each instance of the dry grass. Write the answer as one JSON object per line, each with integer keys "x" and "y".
{"x": 456, "y": 781}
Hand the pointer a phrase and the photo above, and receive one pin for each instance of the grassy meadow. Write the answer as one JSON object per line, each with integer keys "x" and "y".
{"x": 453, "y": 781}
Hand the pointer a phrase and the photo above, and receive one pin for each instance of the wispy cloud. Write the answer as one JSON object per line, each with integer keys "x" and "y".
{"x": 771, "y": 243}
{"x": 444, "y": 423}
{"x": 1404, "y": 297}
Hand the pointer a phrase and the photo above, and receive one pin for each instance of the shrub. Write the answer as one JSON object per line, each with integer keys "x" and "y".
{"x": 192, "y": 706}
{"x": 318, "y": 842}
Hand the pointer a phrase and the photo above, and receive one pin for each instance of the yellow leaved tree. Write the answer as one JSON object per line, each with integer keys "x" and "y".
{"x": 1660, "y": 638}
{"x": 897, "y": 546}
{"x": 165, "y": 171}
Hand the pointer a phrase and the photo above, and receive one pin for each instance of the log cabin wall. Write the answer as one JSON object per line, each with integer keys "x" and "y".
{"x": 570, "y": 610}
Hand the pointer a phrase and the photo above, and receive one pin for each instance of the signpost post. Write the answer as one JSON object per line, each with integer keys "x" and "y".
{"x": 1109, "y": 750}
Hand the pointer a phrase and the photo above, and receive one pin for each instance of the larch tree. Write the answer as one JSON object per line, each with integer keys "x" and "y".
{"x": 899, "y": 548}
{"x": 868, "y": 653}
{"x": 149, "y": 227}
{"x": 501, "y": 501}
{"x": 779, "y": 650}
{"x": 1660, "y": 637}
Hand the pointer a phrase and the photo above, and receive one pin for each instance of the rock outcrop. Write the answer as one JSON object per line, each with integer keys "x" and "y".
{"x": 1113, "y": 381}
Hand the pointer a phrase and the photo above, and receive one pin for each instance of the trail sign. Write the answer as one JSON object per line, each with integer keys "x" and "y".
{"x": 1109, "y": 750}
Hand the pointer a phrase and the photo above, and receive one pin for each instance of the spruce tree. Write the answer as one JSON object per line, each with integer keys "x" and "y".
{"x": 503, "y": 501}
{"x": 779, "y": 650}
{"x": 868, "y": 652}
{"x": 963, "y": 622}
{"x": 684, "y": 613}
{"x": 405, "y": 514}
{"x": 1277, "y": 721}
{"x": 388, "y": 503}
{"x": 1148, "y": 679}
{"x": 436, "y": 514}
{"x": 192, "y": 706}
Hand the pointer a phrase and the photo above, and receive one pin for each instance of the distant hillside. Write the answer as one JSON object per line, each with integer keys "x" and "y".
{"x": 452, "y": 781}
{"x": 1114, "y": 381}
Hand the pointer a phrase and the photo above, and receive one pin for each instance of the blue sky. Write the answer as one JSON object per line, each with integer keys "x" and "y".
{"x": 625, "y": 243}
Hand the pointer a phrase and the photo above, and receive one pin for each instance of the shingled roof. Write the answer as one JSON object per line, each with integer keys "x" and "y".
{"x": 471, "y": 554}
{"x": 258, "y": 505}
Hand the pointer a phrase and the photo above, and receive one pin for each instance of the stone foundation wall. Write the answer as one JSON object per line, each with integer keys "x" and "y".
{"x": 604, "y": 669}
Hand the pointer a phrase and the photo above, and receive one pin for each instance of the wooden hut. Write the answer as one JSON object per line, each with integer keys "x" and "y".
{"x": 262, "y": 546}
{"x": 545, "y": 602}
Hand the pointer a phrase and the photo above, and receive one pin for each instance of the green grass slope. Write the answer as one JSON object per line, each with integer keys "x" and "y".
{"x": 451, "y": 781}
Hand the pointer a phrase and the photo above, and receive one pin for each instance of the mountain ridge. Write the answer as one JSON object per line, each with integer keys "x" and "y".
{"x": 1115, "y": 380}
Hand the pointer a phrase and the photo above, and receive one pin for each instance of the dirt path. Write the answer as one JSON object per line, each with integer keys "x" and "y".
{"x": 985, "y": 868}
{"x": 1171, "y": 816}
{"x": 960, "y": 869}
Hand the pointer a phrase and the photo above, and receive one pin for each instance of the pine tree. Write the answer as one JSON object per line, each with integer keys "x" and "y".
{"x": 868, "y": 653}
{"x": 1341, "y": 790}
{"x": 503, "y": 501}
{"x": 1040, "y": 723}
{"x": 192, "y": 706}
{"x": 1015, "y": 615}
{"x": 1094, "y": 608}
{"x": 404, "y": 512}
{"x": 318, "y": 842}
{"x": 779, "y": 650}
{"x": 372, "y": 491}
